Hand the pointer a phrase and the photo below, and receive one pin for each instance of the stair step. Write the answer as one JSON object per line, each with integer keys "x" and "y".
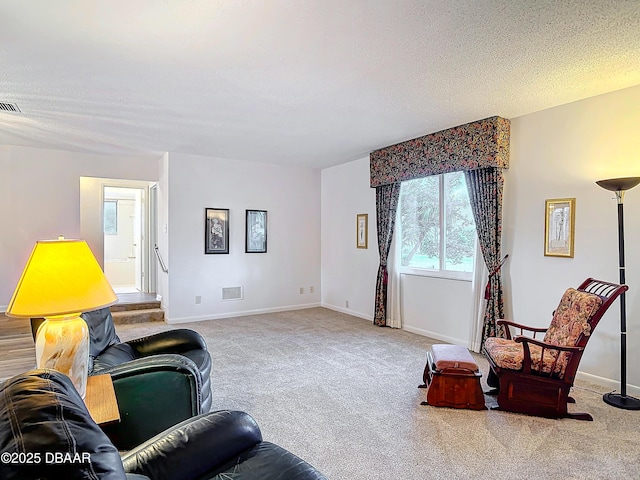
{"x": 139, "y": 315}
{"x": 120, "y": 307}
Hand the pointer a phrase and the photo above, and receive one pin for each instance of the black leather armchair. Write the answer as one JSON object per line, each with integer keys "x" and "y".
{"x": 159, "y": 380}
{"x": 46, "y": 432}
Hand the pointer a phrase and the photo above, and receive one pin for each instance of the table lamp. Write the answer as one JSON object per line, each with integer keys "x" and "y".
{"x": 61, "y": 280}
{"x": 621, "y": 400}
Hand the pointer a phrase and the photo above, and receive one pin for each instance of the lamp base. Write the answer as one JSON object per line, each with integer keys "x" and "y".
{"x": 626, "y": 402}
{"x": 62, "y": 344}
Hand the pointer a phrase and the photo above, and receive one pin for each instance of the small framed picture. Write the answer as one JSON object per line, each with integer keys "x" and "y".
{"x": 559, "y": 227}
{"x": 256, "y": 233}
{"x": 216, "y": 230}
{"x": 362, "y": 230}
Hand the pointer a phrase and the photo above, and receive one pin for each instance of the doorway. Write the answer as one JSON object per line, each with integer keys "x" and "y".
{"x": 123, "y": 221}
{"x": 118, "y": 221}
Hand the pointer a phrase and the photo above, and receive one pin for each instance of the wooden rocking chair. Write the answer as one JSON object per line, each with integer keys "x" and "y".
{"x": 535, "y": 376}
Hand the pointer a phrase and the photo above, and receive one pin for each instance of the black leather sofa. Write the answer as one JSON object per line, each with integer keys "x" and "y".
{"x": 159, "y": 380}
{"x": 47, "y": 433}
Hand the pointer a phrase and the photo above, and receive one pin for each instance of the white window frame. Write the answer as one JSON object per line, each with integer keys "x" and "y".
{"x": 115, "y": 223}
{"x": 441, "y": 273}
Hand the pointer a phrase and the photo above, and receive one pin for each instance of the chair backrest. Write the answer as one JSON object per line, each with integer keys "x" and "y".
{"x": 102, "y": 330}
{"x": 571, "y": 320}
{"x": 576, "y": 317}
{"x": 580, "y": 310}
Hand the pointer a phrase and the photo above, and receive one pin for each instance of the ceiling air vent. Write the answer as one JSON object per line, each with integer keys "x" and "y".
{"x": 8, "y": 107}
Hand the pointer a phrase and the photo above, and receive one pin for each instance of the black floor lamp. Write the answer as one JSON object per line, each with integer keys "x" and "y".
{"x": 621, "y": 400}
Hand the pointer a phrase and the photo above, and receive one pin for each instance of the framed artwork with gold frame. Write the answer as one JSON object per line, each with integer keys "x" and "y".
{"x": 362, "y": 230}
{"x": 559, "y": 227}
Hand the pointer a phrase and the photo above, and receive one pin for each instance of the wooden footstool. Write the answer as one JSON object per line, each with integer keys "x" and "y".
{"x": 452, "y": 378}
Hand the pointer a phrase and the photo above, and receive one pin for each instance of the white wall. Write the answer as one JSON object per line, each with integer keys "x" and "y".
{"x": 561, "y": 152}
{"x": 40, "y": 199}
{"x": 439, "y": 308}
{"x": 163, "y": 231}
{"x": 271, "y": 280}
{"x": 348, "y": 273}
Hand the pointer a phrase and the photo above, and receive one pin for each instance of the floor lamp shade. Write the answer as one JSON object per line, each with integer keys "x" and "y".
{"x": 61, "y": 280}
{"x": 621, "y": 400}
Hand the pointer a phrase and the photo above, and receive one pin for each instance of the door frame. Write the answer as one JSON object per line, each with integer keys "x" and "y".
{"x": 91, "y": 221}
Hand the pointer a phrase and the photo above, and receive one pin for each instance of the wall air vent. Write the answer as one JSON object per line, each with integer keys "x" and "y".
{"x": 9, "y": 107}
{"x": 232, "y": 293}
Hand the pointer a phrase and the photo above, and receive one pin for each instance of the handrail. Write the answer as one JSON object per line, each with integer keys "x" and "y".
{"x": 162, "y": 265}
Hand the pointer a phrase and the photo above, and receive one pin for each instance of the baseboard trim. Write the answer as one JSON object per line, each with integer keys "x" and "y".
{"x": 611, "y": 385}
{"x": 245, "y": 313}
{"x": 436, "y": 336}
{"x": 347, "y": 311}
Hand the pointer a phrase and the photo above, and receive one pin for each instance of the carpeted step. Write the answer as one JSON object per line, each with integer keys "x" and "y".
{"x": 146, "y": 305}
{"x": 138, "y": 315}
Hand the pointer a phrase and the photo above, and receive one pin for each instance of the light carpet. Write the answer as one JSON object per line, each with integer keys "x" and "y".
{"x": 342, "y": 394}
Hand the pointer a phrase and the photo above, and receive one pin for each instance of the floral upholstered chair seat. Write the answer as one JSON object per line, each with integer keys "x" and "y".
{"x": 570, "y": 320}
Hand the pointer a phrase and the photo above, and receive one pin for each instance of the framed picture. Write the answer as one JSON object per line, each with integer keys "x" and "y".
{"x": 256, "y": 233}
{"x": 362, "y": 230}
{"x": 559, "y": 226}
{"x": 216, "y": 230}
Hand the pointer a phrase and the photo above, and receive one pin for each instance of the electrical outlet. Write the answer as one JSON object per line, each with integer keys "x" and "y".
{"x": 301, "y": 290}
{"x": 310, "y": 289}
{"x": 346, "y": 303}
{"x": 198, "y": 299}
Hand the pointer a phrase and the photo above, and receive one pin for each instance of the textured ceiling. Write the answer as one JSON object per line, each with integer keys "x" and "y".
{"x": 308, "y": 82}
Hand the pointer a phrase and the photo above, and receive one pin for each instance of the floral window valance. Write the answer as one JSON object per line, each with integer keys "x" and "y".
{"x": 480, "y": 144}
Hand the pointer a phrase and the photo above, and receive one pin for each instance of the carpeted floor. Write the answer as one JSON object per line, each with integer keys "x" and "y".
{"x": 342, "y": 394}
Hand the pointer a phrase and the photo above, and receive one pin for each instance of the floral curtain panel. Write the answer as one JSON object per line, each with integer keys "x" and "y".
{"x": 485, "y": 195}
{"x": 480, "y": 144}
{"x": 387, "y": 197}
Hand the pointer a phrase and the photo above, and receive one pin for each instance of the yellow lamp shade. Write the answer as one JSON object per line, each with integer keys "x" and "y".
{"x": 61, "y": 277}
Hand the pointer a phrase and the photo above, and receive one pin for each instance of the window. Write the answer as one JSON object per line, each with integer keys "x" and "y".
{"x": 437, "y": 230}
{"x": 110, "y": 217}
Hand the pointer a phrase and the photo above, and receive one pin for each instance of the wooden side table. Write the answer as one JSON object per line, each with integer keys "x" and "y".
{"x": 100, "y": 399}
